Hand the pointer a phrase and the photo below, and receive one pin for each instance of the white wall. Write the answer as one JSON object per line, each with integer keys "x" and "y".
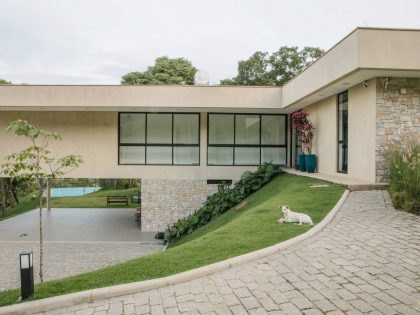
{"x": 361, "y": 133}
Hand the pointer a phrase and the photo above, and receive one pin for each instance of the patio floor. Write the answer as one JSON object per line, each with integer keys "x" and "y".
{"x": 76, "y": 225}
{"x": 351, "y": 183}
{"x": 76, "y": 241}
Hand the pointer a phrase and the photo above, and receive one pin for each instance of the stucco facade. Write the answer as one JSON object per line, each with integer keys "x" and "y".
{"x": 362, "y": 135}
{"x": 94, "y": 135}
{"x": 379, "y": 69}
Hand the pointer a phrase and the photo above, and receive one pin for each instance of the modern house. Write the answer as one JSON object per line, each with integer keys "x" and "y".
{"x": 182, "y": 140}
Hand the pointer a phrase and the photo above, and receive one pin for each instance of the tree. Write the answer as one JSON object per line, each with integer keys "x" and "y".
{"x": 275, "y": 69}
{"x": 164, "y": 71}
{"x": 7, "y": 194}
{"x": 4, "y": 82}
{"x": 3, "y": 197}
{"x": 37, "y": 163}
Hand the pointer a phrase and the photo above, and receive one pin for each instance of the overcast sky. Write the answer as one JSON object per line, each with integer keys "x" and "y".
{"x": 97, "y": 41}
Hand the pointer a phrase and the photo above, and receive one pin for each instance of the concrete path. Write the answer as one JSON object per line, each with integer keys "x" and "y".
{"x": 367, "y": 261}
{"x": 76, "y": 241}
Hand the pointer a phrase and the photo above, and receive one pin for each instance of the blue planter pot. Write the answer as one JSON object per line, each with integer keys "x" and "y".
{"x": 310, "y": 162}
{"x": 302, "y": 164}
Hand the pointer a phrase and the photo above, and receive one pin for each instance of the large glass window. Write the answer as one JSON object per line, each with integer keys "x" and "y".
{"x": 186, "y": 155}
{"x": 247, "y": 129}
{"x": 159, "y": 138}
{"x": 273, "y": 130}
{"x": 158, "y": 155}
{"x": 186, "y": 129}
{"x": 247, "y": 156}
{"x": 132, "y": 154}
{"x": 296, "y": 148}
{"x": 220, "y": 156}
{"x": 132, "y": 128}
{"x": 222, "y": 128}
{"x": 159, "y": 128}
{"x": 273, "y": 155}
{"x": 246, "y": 139}
{"x": 342, "y": 132}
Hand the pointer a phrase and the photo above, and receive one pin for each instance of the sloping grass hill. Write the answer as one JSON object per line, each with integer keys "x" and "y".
{"x": 232, "y": 234}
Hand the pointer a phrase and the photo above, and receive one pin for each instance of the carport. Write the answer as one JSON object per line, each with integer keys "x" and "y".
{"x": 76, "y": 241}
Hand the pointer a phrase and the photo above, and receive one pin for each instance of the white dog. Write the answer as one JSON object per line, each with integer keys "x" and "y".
{"x": 294, "y": 217}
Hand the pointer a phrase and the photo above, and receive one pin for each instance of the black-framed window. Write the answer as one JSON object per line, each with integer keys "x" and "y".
{"x": 159, "y": 138}
{"x": 246, "y": 139}
{"x": 342, "y": 132}
{"x": 296, "y": 148}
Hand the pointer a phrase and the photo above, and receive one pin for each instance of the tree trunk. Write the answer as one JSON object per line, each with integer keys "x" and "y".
{"x": 10, "y": 193}
{"x": 3, "y": 198}
{"x": 48, "y": 194}
{"x": 41, "y": 238}
{"x": 14, "y": 193}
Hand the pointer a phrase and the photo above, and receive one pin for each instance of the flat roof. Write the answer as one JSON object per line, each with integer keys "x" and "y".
{"x": 364, "y": 53}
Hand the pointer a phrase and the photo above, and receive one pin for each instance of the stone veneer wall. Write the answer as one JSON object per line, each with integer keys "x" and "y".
{"x": 166, "y": 201}
{"x": 397, "y": 114}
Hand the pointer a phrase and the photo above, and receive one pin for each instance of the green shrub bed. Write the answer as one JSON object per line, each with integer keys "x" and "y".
{"x": 403, "y": 161}
{"x": 225, "y": 198}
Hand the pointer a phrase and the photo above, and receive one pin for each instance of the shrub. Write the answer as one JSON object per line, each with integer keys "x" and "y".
{"x": 304, "y": 129}
{"x": 403, "y": 161}
{"x": 224, "y": 199}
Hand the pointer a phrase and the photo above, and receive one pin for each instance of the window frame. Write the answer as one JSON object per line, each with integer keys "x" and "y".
{"x": 172, "y": 144}
{"x": 234, "y": 145}
{"x": 343, "y": 142}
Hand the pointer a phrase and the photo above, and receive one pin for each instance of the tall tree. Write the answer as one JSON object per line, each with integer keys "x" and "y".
{"x": 4, "y": 82}
{"x": 277, "y": 68}
{"x": 3, "y": 197}
{"x": 11, "y": 194}
{"x": 164, "y": 71}
{"x": 37, "y": 163}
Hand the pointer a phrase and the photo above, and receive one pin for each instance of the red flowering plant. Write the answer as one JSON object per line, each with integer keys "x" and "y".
{"x": 304, "y": 129}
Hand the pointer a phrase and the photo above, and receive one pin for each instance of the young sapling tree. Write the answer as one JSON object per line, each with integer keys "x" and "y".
{"x": 37, "y": 163}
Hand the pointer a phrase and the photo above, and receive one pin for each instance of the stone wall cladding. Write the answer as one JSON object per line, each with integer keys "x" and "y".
{"x": 166, "y": 201}
{"x": 397, "y": 114}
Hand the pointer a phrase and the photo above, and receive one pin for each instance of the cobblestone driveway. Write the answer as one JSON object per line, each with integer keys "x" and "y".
{"x": 367, "y": 261}
{"x": 64, "y": 259}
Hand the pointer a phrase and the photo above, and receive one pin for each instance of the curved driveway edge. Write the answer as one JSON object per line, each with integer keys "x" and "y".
{"x": 92, "y": 295}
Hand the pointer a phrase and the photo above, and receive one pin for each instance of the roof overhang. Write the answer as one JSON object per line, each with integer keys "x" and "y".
{"x": 139, "y": 98}
{"x": 364, "y": 54}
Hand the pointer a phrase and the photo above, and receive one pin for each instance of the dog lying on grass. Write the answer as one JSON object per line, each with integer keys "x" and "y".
{"x": 294, "y": 217}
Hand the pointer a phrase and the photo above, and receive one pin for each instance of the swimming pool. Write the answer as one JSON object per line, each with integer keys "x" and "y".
{"x": 71, "y": 191}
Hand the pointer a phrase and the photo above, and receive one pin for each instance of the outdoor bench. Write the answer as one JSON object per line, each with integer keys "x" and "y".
{"x": 116, "y": 200}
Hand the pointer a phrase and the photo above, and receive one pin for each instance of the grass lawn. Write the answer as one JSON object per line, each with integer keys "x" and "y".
{"x": 26, "y": 203}
{"x": 93, "y": 200}
{"x": 232, "y": 234}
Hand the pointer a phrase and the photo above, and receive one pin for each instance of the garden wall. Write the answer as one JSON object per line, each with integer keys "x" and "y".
{"x": 166, "y": 201}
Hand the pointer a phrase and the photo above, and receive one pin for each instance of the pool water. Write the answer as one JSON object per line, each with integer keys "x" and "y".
{"x": 72, "y": 191}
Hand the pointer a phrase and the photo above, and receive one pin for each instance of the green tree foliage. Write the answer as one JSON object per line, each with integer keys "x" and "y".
{"x": 164, "y": 71}
{"x": 4, "y": 82}
{"x": 277, "y": 68}
{"x": 37, "y": 163}
{"x": 7, "y": 194}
